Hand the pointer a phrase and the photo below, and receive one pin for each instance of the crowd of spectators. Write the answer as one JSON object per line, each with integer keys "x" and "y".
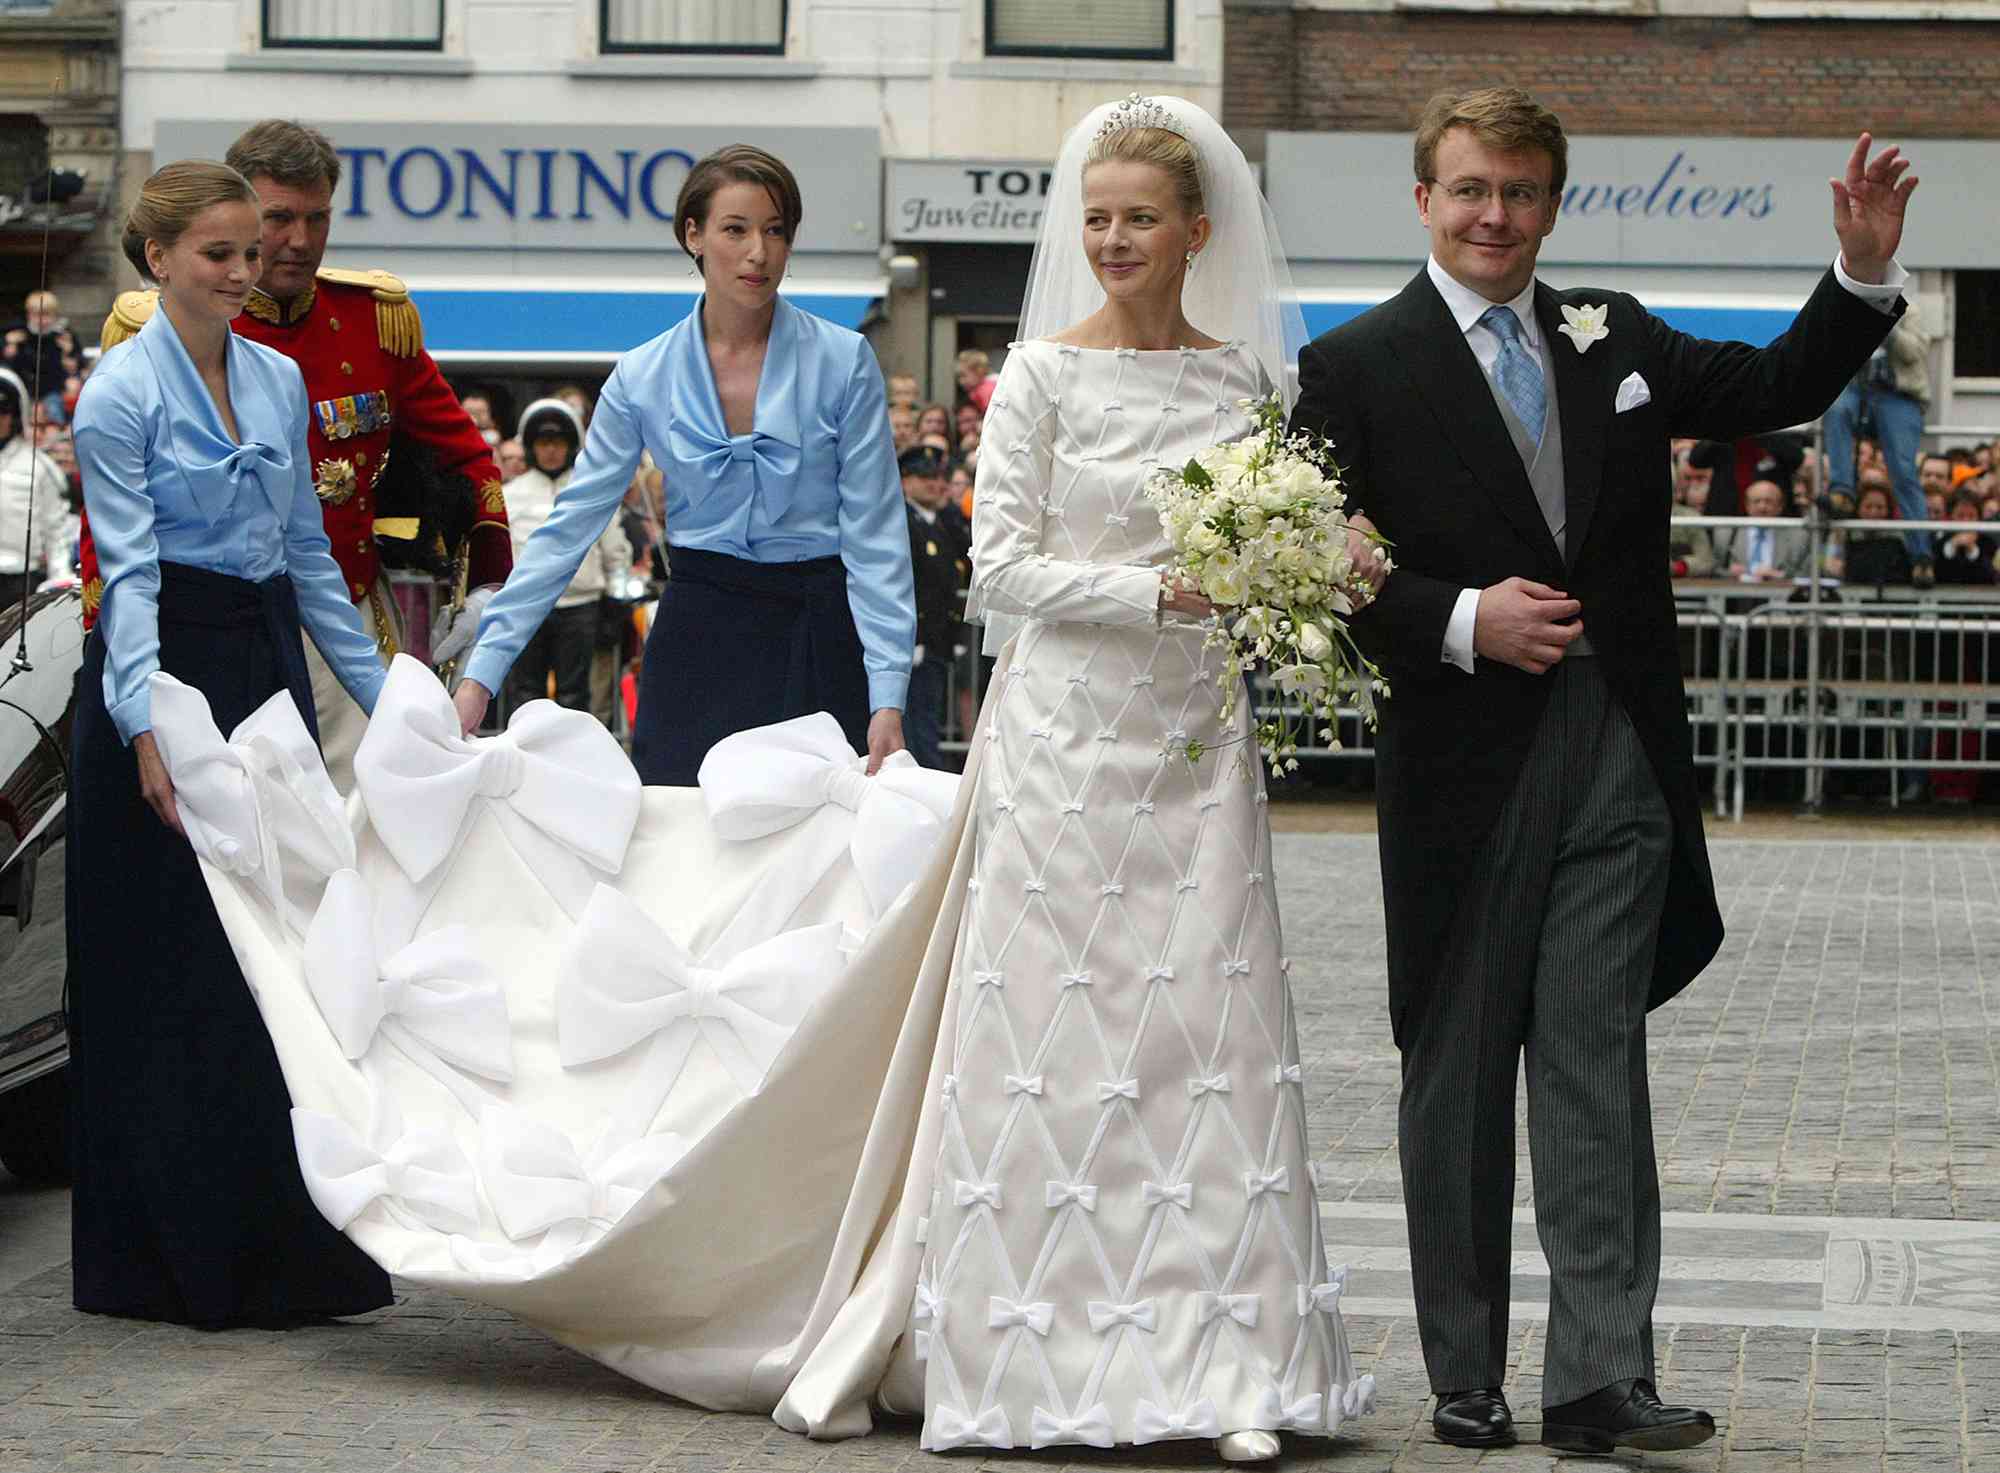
{"x": 937, "y": 452}
{"x": 1773, "y": 478}
{"x": 36, "y": 452}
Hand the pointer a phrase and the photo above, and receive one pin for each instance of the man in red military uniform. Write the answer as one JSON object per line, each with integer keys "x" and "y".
{"x": 358, "y": 342}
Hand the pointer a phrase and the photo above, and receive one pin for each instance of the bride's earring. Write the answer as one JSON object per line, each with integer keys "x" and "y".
{"x": 1190, "y": 263}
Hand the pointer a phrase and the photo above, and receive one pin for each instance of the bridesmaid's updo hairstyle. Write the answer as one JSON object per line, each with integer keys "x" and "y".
{"x": 739, "y": 163}
{"x": 173, "y": 199}
{"x": 1168, "y": 152}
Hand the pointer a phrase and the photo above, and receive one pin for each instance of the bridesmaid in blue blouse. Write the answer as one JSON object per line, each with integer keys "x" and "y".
{"x": 790, "y": 589}
{"x": 188, "y": 1203}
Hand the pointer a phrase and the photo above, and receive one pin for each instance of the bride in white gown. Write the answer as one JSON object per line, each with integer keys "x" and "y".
{"x": 808, "y": 1092}
{"x": 1123, "y": 1241}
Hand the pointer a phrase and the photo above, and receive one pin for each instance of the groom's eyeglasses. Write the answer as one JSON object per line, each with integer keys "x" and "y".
{"x": 1476, "y": 194}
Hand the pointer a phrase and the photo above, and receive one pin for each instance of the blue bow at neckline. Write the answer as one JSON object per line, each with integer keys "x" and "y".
{"x": 775, "y": 464}
{"x": 699, "y": 437}
{"x": 212, "y": 466}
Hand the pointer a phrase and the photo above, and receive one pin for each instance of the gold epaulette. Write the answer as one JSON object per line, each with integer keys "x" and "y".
{"x": 397, "y": 325}
{"x": 130, "y": 312}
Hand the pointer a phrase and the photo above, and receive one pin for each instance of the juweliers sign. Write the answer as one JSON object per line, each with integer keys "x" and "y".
{"x": 1637, "y": 201}
{"x": 467, "y": 186}
{"x": 966, "y": 199}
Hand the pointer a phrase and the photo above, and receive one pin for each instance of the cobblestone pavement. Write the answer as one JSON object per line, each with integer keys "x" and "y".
{"x": 1827, "y": 1102}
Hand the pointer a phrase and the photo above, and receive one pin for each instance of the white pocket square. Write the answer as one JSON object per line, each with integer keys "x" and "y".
{"x": 1632, "y": 393}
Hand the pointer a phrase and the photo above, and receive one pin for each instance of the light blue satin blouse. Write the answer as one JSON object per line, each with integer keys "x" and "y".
{"x": 815, "y": 477}
{"x": 162, "y": 481}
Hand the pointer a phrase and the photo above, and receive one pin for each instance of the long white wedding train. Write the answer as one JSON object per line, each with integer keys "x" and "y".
{"x": 643, "y": 1066}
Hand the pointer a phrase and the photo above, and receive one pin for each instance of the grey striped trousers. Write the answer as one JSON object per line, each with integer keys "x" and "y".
{"x": 1552, "y": 952}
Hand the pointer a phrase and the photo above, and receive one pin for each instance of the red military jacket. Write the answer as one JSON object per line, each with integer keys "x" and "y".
{"x": 359, "y": 345}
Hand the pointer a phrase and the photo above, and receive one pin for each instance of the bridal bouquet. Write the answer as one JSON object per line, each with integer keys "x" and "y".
{"x": 1257, "y": 526}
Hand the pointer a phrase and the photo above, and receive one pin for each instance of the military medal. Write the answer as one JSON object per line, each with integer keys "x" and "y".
{"x": 334, "y": 481}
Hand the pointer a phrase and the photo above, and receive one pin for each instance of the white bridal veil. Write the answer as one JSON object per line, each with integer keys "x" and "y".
{"x": 1240, "y": 287}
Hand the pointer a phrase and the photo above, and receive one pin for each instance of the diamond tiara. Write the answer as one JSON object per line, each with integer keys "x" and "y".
{"x": 1139, "y": 111}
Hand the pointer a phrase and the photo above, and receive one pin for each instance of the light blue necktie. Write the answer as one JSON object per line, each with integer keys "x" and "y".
{"x": 1517, "y": 371}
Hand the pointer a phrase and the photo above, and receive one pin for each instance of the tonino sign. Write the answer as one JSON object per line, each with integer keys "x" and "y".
{"x": 523, "y": 186}
{"x": 572, "y": 184}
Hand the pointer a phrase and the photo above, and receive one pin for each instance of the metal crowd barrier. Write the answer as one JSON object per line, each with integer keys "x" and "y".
{"x": 1805, "y": 675}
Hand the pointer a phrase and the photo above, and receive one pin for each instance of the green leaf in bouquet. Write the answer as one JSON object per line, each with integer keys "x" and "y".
{"x": 1195, "y": 476}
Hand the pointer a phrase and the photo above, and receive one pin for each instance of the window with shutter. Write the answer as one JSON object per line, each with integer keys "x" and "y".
{"x": 755, "y": 26}
{"x": 1976, "y": 336}
{"x": 379, "y": 25}
{"x": 1140, "y": 29}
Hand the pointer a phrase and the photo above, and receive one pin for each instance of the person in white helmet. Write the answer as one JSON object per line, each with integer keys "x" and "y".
{"x": 550, "y": 433}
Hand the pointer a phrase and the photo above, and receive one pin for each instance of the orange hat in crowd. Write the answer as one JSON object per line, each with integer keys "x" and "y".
{"x": 1960, "y": 474}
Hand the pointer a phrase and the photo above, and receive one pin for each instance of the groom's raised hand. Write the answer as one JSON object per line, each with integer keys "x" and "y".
{"x": 1868, "y": 208}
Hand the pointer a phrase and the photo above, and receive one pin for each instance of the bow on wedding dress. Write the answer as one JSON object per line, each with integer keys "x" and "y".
{"x": 624, "y": 980}
{"x": 421, "y": 1174}
{"x": 565, "y": 796}
{"x": 258, "y": 806}
{"x": 437, "y": 990}
{"x": 771, "y": 778}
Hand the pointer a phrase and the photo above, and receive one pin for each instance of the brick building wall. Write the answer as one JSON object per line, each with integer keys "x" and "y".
{"x": 1371, "y": 71}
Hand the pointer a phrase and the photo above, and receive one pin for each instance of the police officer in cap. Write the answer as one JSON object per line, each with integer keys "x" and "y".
{"x": 941, "y": 558}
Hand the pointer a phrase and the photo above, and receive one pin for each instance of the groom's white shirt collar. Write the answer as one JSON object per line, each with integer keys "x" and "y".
{"x": 1467, "y": 306}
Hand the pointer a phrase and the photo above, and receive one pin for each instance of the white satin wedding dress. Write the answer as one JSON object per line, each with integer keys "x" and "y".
{"x": 805, "y": 1092}
{"x": 1123, "y": 1241}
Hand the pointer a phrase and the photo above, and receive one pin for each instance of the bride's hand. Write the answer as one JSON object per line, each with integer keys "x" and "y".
{"x": 1178, "y": 598}
{"x": 471, "y": 698}
{"x": 885, "y": 735}
{"x": 1369, "y": 558}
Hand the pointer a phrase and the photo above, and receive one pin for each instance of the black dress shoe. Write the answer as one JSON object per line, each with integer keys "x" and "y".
{"x": 1624, "y": 1414}
{"x": 1473, "y": 1418}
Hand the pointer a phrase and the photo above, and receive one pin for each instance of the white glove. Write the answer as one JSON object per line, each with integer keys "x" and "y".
{"x": 456, "y": 635}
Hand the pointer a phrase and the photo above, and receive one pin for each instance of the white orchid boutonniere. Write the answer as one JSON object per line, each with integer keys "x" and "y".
{"x": 1585, "y": 325}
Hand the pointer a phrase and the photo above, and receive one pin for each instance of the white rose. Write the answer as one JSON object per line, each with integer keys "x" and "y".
{"x": 1224, "y": 581}
{"x": 1204, "y": 541}
{"x": 1314, "y": 643}
{"x": 1302, "y": 481}
{"x": 1250, "y": 520}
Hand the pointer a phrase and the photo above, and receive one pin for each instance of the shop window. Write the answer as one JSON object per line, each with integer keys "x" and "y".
{"x": 738, "y": 26}
{"x": 1976, "y": 345}
{"x": 1138, "y": 29}
{"x": 377, "y": 25}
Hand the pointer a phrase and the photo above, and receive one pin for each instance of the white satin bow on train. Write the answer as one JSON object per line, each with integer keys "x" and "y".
{"x": 259, "y": 805}
{"x": 565, "y": 796}
{"x": 625, "y": 980}
{"x": 537, "y": 1180}
{"x": 437, "y": 990}
{"x": 421, "y": 1174}
{"x": 772, "y": 778}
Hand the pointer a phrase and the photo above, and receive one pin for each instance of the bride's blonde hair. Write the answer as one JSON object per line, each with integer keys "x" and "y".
{"x": 1168, "y": 152}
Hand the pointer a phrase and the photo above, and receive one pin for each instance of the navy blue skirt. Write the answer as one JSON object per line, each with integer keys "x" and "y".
{"x": 738, "y": 644}
{"x": 188, "y": 1202}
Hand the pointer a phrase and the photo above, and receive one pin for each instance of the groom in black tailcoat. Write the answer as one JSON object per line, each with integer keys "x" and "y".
{"x": 1544, "y": 872}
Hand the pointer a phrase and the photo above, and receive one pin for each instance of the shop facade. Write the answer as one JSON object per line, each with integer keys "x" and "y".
{"x": 1702, "y": 135}
{"x": 516, "y": 160}
{"x": 59, "y": 95}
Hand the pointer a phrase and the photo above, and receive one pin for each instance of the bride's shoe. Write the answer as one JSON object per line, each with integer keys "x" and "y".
{"x": 1247, "y": 1447}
